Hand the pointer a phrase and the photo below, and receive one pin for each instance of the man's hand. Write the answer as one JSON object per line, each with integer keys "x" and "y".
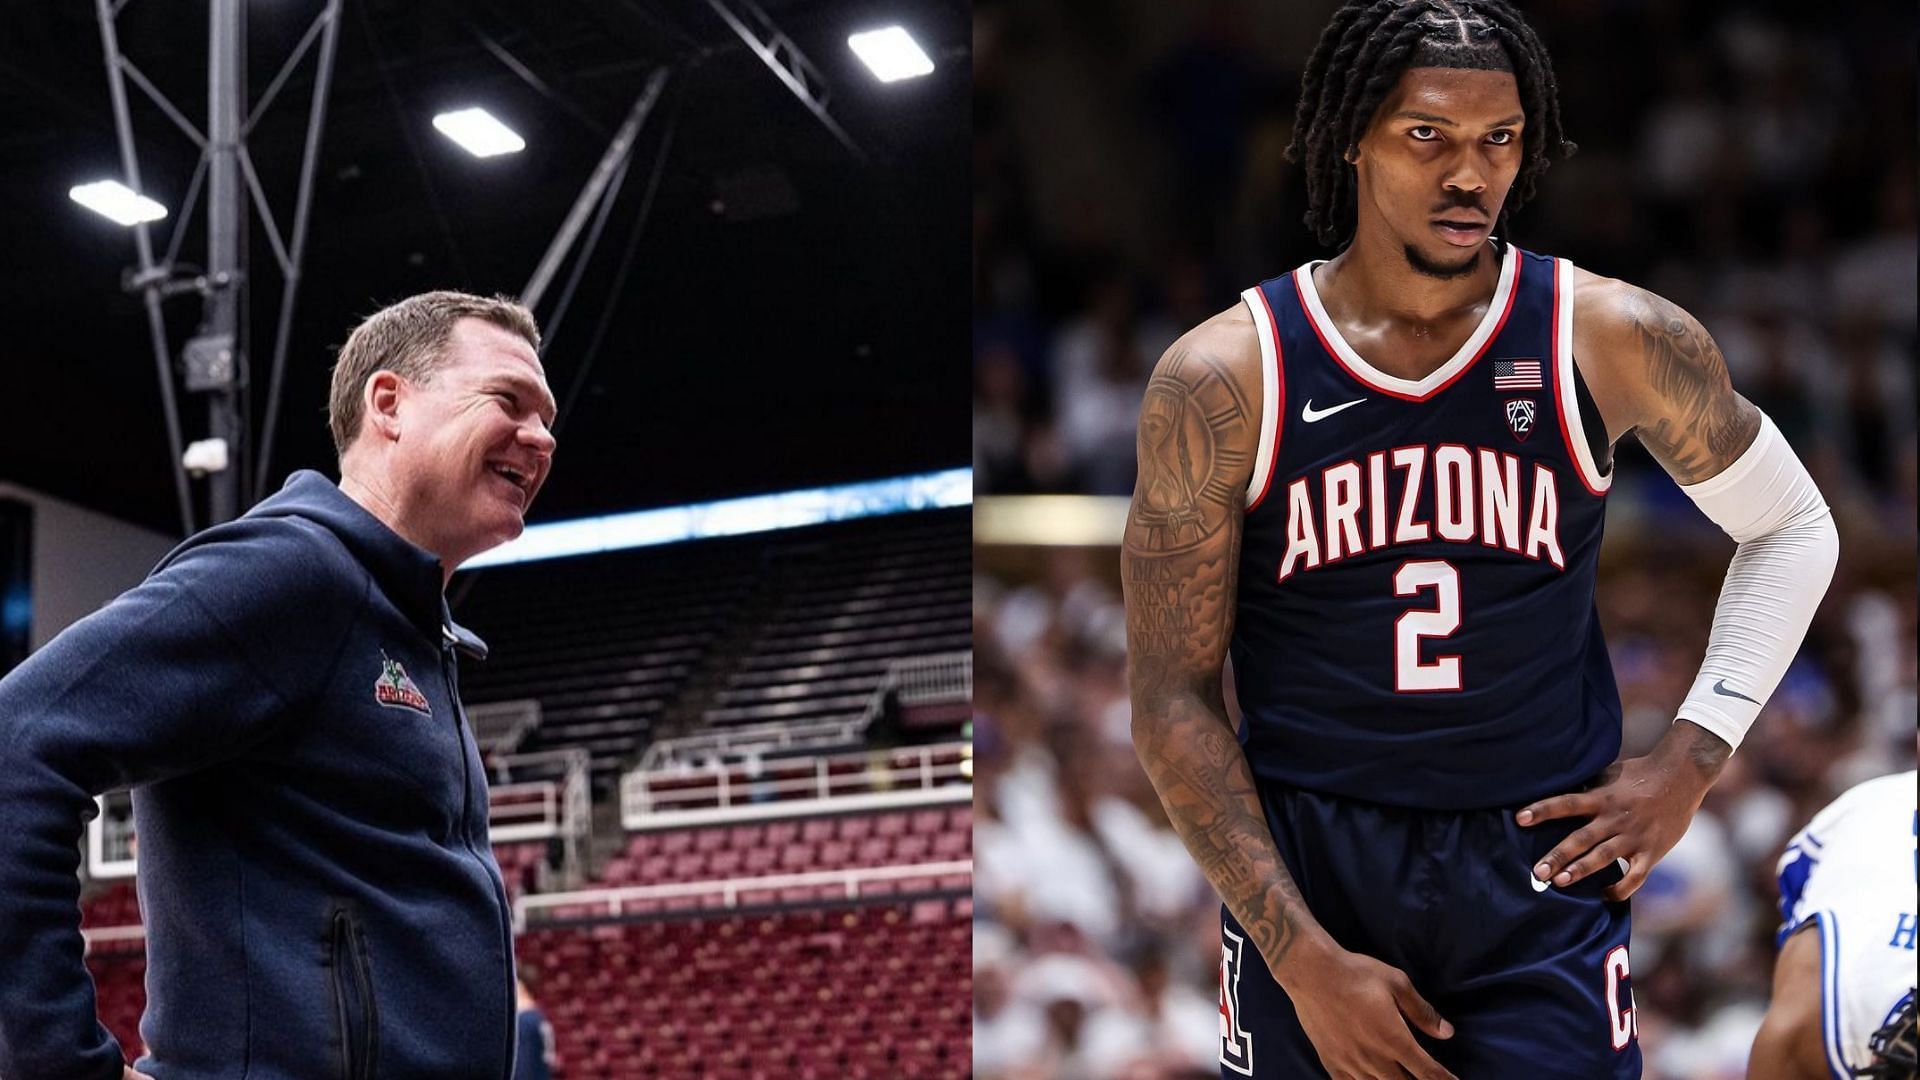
{"x": 1355, "y": 1010}
{"x": 1639, "y": 811}
{"x": 128, "y": 1072}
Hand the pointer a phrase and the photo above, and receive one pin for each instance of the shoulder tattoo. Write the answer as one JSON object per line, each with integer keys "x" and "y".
{"x": 1702, "y": 424}
{"x": 1195, "y": 425}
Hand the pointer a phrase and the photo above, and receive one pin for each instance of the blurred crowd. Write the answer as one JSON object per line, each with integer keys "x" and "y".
{"x": 1753, "y": 162}
{"x": 1755, "y": 166}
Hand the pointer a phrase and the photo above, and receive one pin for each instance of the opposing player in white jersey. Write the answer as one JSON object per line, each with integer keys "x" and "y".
{"x": 1846, "y": 965}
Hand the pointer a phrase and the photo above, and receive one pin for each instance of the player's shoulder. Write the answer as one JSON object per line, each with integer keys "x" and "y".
{"x": 1624, "y": 333}
{"x": 1621, "y": 311}
{"x": 1895, "y": 792}
{"x": 1225, "y": 345}
{"x": 1865, "y": 817}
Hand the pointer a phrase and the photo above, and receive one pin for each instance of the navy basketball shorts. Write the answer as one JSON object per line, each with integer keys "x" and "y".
{"x": 1534, "y": 979}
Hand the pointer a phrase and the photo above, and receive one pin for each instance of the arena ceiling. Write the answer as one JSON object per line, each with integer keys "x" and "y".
{"x": 794, "y": 315}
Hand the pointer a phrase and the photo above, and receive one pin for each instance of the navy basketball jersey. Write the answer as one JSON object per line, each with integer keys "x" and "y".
{"x": 1415, "y": 620}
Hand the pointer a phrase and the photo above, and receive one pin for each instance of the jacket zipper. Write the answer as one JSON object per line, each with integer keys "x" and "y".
{"x": 340, "y": 1005}
{"x": 350, "y": 967}
{"x": 451, "y": 665}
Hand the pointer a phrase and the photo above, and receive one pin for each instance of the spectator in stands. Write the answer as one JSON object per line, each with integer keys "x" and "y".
{"x": 281, "y": 695}
{"x": 535, "y": 1059}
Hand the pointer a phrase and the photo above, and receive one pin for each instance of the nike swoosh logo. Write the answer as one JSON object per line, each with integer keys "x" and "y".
{"x": 1538, "y": 885}
{"x": 1312, "y": 415}
{"x": 1721, "y": 689}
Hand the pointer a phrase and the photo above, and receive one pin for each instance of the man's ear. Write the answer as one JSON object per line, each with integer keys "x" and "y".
{"x": 380, "y": 403}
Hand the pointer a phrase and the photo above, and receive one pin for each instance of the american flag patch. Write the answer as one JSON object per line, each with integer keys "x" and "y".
{"x": 1516, "y": 375}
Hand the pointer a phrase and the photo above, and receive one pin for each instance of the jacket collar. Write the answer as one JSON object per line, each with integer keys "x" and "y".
{"x": 461, "y": 638}
{"x": 409, "y": 575}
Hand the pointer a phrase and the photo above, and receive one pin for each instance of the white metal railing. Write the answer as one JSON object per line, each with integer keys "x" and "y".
{"x": 543, "y": 796}
{"x": 108, "y": 935}
{"x": 749, "y": 739}
{"x": 723, "y": 894}
{"x": 916, "y": 680}
{"x": 532, "y": 811}
{"x": 535, "y": 797}
{"x": 499, "y": 726}
{"x": 923, "y": 680}
{"x": 110, "y": 838}
{"x": 701, "y": 896}
{"x": 784, "y": 787}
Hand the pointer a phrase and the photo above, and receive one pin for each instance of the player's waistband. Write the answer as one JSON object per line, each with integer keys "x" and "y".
{"x": 1381, "y": 785}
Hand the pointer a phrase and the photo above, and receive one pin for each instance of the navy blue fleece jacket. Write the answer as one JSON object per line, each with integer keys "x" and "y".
{"x": 320, "y": 900}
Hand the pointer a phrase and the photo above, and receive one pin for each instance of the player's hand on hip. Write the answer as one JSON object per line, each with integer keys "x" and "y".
{"x": 1356, "y": 1011}
{"x": 1638, "y": 811}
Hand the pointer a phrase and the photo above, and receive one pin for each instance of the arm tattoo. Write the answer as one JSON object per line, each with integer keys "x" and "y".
{"x": 1706, "y": 751}
{"x": 1180, "y": 562}
{"x": 1194, "y": 434}
{"x": 1701, "y": 425}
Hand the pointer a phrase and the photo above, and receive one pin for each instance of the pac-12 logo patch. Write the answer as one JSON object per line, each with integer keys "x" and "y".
{"x": 395, "y": 691}
{"x": 1520, "y": 417}
{"x": 1236, "y": 1046}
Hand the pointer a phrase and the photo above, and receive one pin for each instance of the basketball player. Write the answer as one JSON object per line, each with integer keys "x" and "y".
{"x": 1378, "y": 484}
{"x": 1845, "y": 970}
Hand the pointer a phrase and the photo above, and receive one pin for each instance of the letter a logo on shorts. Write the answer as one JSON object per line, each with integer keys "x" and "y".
{"x": 1236, "y": 1046}
{"x": 395, "y": 691}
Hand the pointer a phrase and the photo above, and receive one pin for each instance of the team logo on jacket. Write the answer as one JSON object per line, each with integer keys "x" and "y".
{"x": 1520, "y": 418}
{"x": 395, "y": 691}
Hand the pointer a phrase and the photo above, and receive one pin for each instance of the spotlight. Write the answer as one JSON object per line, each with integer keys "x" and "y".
{"x": 478, "y": 133}
{"x": 891, "y": 54}
{"x": 112, "y": 199}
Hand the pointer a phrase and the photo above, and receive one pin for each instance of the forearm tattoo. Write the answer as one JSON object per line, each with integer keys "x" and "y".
{"x": 1179, "y": 564}
{"x": 1706, "y": 751}
{"x": 1703, "y": 425}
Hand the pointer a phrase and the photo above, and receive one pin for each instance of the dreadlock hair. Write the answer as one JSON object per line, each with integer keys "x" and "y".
{"x": 1362, "y": 54}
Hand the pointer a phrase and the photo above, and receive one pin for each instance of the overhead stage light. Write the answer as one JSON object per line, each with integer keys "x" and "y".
{"x": 892, "y": 54}
{"x": 478, "y": 133}
{"x": 115, "y": 200}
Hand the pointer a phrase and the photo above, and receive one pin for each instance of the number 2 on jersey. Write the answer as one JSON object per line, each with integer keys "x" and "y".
{"x": 1439, "y": 621}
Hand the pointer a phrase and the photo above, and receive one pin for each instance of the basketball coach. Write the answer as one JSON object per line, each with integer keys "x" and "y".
{"x": 281, "y": 695}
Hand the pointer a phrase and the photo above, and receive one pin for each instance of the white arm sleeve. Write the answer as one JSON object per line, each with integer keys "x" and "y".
{"x": 1787, "y": 546}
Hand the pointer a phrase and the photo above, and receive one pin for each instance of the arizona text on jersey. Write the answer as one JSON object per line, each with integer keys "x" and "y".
{"x": 1418, "y": 562}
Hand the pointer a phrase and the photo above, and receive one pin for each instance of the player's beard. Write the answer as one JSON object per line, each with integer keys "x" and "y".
{"x": 1427, "y": 267}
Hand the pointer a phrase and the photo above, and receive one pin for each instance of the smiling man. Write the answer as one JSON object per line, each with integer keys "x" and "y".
{"x": 457, "y": 475}
{"x": 282, "y": 696}
{"x": 1378, "y": 485}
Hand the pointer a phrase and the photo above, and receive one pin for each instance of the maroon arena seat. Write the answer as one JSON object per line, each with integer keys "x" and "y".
{"x": 790, "y": 846}
{"x": 879, "y": 991}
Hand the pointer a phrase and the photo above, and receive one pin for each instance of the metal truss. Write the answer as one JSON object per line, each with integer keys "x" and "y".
{"x": 786, "y": 61}
{"x": 215, "y": 361}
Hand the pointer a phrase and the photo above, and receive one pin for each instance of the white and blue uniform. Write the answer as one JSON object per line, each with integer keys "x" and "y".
{"x": 1416, "y": 655}
{"x": 1850, "y": 876}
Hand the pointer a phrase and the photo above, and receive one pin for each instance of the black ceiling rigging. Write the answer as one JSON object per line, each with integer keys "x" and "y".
{"x": 738, "y": 342}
